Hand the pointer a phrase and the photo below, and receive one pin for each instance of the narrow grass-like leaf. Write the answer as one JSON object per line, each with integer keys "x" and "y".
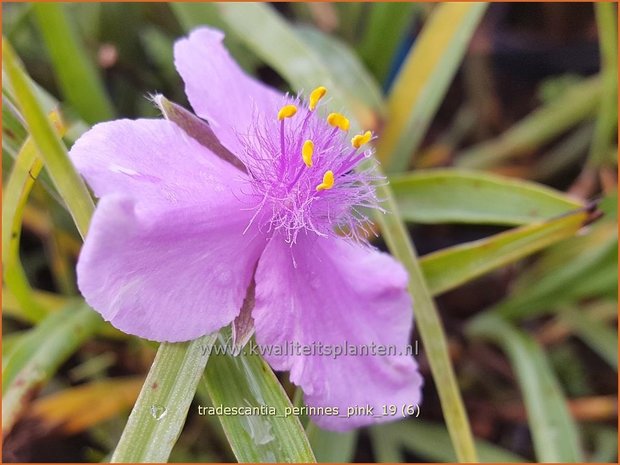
{"x": 52, "y": 150}
{"x": 453, "y": 266}
{"x": 342, "y": 62}
{"x": 432, "y": 442}
{"x": 460, "y": 196}
{"x": 563, "y": 155}
{"x": 246, "y": 381}
{"x": 13, "y": 132}
{"x": 161, "y": 409}
{"x": 15, "y": 195}
{"x": 273, "y": 40}
{"x": 79, "y": 408}
{"x": 386, "y": 28}
{"x": 263, "y": 33}
{"x": 554, "y": 431}
{"x": 579, "y": 268}
{"x": 424, "y": 79}
{"x": 385, "y": 446}
{"x": 24, "y": 173}
{"x": 606, "y": 449}
{"x": 77, "y": 76}
{"x": 331, "y": 446}
{"x": 607, "y": 118}
{"x": 9, "y": 341}
{"x": 598, "y": 335}
{"x": 48, "y": 301}
{"x": 39, "y": 354}
{"x": 577, "y": 104}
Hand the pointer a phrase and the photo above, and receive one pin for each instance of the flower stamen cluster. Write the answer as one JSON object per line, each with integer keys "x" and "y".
{"x": 306, "y": 180}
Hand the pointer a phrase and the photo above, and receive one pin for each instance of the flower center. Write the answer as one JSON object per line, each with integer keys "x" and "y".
{"x": 304, "y": 176}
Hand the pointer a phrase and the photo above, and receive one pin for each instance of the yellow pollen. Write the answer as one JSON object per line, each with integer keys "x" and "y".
{"x": 287, "y": 111}
{"x": 328, "y": 181}
{"x": 339, "y": 121}
{"x": 306, "y": 152}
{"x": 316, "y": 95}
{"x": 361, "y": 139}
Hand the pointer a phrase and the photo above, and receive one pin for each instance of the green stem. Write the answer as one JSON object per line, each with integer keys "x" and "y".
{"x": 430, "y": 326}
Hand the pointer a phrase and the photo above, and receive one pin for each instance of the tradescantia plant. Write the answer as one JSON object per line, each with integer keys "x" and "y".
{"x": 245, "y": 233}
{"x": 182, "y": 248}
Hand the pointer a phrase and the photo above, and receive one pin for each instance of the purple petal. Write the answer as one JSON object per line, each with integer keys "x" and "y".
{"x": 331, "y": 292}
{"x": 218, "y": 89}
{"x": 154, "y": 162}
{"x": 166, "y": 257}
{"x": 172, "y": 276}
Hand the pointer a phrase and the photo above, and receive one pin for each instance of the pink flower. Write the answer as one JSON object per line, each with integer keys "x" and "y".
{"x": 179, "y": 234}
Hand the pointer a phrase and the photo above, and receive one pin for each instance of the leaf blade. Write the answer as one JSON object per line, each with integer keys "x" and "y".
{"x": 39, "y": 354}
{"x": 246, "y": 380}
{"x": 553, "y": 429}
{"x": 159, "y": 413}
{"x": 77, "y": 75}
{"x": 424, "y": 79}
{"x": 544, "y": 123}
{"x": 461, "y": 196}
{"x": 456, "y": 265}
{"x": 54, "y": 154}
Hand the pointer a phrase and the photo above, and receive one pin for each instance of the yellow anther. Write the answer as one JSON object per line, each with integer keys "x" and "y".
{"x": 361, "y": 139}
{"x": 316, "y": 95}
{"x": 339, "y": 121}
{"x": 287, "y": 111}
{"x": 306, "y": 152}
{"x": 328, "y": 181}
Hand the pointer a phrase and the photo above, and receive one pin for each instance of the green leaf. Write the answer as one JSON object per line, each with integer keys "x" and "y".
{"x": 385, "y": 446}
{"x": 554, "y": 431}
{"x": 37, "y": 356}
{"x": 607, "y": 118}
{"x": 432, "y": 441}
{"x": 77, "y": 76}
{"x": 577, "y": 104}
{"x": 13, "y": 132}
{"x": 25, "y": 170}
{"x": 342, "y": 62}
{"x": 598, "y": 335}
{"x": 581, "y": 267}
{"x": 244, "y": 381}
{"x": 331, "y": 446}
{"x": 424, "y": 79}
{"x": 606, "y": 451}
{"x": 387, "y": 27}
{"x": 460, "y": 196}
{"x": 275, "y": 42}
{"x": 52, "y": 150}
{"x": 453, "y": 266}
{"x": 159, "y": 413}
